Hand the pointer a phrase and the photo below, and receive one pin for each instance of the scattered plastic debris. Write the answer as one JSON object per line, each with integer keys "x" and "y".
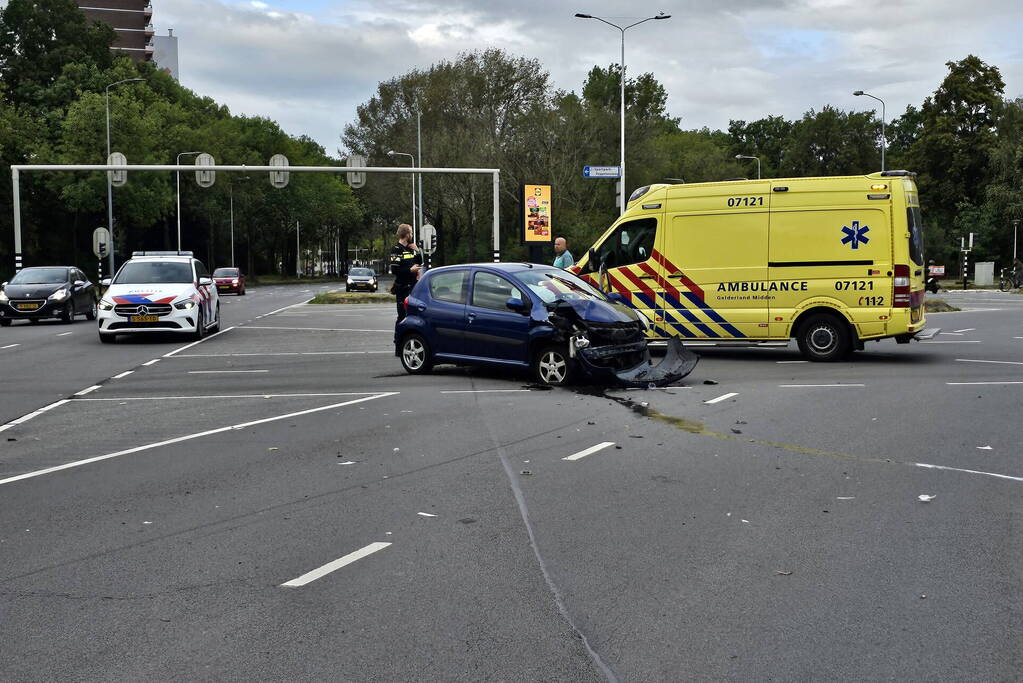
{"x": 984, "y": 448}
{"x": 396, "y": 450}
{"x": 273, "y": 448}
{"x": 924, "y": 498}
{"x": 923, "y": 596}
{"x": 846, "y": 498}
{"x": 147, "y": 522}
{"x": 526, "y": 472}
{"x": 347, "y": 462}
{"x": 745, "y": 521}
{"x": 710, "y": 382}
{"x": 779, "y": 572}
{"x": 425, "y": 514}
{"x": 736, "y": 431}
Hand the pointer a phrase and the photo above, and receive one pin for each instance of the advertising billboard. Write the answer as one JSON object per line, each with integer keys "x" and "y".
{"x": 536, "y": 209}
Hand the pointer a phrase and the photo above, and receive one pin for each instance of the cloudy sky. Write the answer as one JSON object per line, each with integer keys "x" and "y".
{"x": 309, "y": 63}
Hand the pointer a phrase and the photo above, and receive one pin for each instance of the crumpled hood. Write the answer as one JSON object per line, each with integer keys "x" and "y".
{"x": 594, "y": 311}
{"x": 32, "y": 291}
{"x": 149, "y": 294}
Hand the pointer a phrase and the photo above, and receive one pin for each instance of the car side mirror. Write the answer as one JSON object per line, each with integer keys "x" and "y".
{"x": 79, "y": 284}
{"x": 518, "y": 305}
{"x": 105, "y": 282}
{"x": 3, "y": 285}
{"x": 205, "y": 281}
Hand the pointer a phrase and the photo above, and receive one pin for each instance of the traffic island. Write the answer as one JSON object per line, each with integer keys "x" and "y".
{"x": 353, "y": 298}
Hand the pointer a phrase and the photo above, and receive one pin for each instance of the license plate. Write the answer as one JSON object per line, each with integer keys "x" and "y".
{"x": 27, "y": 307}
{"x": 144, "y": 318}
{"x": 223, "y": 287}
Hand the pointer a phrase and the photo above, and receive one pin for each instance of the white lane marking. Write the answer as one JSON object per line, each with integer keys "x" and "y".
{"x": 589, "y": 451}
{"x": 426, "y": 514}
{"x": 64, "y": 334}
{"x": 9, "y": 346}
{"x": 955, "y": 334}
{"x": 280, "y": 353}
{"x": 123, "y": 374}
{"x": 320, "y": 572}
{"x": 301, "y": 303}
{"x": 192, "y": 398}
{"x": 973, "y": 384}
{"x": 35, "y": 413}
{"x": 723, "y": 397}
{"x": 952, "y": 341}
{"x": 485, "y": 391}
{"x": 152, "y": 362}
{"x": 188, "y": 346}
{"x": 958, "y": 469}
{"x": 310, "y": 329}
{"x": 224, "y": 372}
{"x": 88, "y": 390}
{"x": 791, "y": 361}
{"x": 189, "y": 437}
{"x": 998, "y": 362}
{"x": 966, "y": 329}
{"x": 804, "y": 386}
{"x": 1013, "y": 338}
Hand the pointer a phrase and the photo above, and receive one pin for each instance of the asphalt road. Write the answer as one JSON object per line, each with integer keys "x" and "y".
{"x": 283, "y": 502}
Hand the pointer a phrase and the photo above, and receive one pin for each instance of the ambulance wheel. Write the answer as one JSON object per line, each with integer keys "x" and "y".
{"x": 415, "y": 355}
{"x": 824, "y": 338}
{"x": 553, "y": 366}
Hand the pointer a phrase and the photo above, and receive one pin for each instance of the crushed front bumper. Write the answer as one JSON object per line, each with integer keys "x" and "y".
{"x": 676, "y": 364}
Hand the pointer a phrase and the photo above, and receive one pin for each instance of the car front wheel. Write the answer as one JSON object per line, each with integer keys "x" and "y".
{"x": 415, "y": 355}
{"x": 553, "y": 366}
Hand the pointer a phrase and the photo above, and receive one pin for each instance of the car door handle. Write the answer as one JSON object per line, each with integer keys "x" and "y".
{"x": 647, "y": 277}
{"x": 471, "y": 316}
{"x": 677, "y": 276}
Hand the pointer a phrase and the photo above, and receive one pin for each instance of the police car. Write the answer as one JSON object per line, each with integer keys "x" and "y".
{"x": 159, "y": 291}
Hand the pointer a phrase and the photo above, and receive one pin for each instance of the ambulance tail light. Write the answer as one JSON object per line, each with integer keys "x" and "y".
{"x": 901, "y": 296}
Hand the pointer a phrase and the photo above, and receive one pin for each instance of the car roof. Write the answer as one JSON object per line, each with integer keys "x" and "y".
{"x": 511, "y": 267}
{"x": 182, "y": 259}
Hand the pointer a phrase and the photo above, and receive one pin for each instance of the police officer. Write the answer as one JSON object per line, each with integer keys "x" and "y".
{"x": 405, "y": 261}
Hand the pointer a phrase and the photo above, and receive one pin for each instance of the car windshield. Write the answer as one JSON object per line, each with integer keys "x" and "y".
{"x": 365, "y": 272}
{"x": 40, "y": 276}
{"x": 554, "y": 284}
{"x": 154, "y": 272}
{"x": 226, "y": 272}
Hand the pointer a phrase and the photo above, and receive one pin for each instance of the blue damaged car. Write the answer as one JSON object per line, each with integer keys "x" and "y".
{"x": 530, "y": 316}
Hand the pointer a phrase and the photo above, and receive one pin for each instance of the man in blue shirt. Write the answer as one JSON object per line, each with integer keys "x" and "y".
{"x": 563, "y": 258}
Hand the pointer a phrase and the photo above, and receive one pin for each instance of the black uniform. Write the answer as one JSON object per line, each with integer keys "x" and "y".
{"x": 401, "y": 261}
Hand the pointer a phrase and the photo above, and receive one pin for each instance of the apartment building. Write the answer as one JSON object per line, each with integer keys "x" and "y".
{"x": 131, "y": 19}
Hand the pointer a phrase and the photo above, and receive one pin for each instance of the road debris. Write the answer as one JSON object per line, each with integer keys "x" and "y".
{"x": 709, "y": 382}
{"x": 984, "y": 448}
{"x": 426, "y": 514}
{"x": 925, "y": 498}
{"x": 846, "y": 498}
{"x": 779, "y": 572}
{"x": 525, "y": 472}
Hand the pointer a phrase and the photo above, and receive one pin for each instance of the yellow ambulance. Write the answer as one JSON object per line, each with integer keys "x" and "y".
{"x": 831, "y": 262}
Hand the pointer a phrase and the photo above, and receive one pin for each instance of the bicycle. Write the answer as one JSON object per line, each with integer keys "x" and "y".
{"x": 1010, "y": 281}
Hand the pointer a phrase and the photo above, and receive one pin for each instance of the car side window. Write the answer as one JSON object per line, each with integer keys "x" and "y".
{"x": 493, "y": 291}
{"x": 450, "y": 286}
{"x": 631, "y": 242}
{"x": 200, "y": 270}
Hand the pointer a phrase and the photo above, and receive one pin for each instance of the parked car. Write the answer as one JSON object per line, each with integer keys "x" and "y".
{"x": 530, "y": 316}
{"x": 159, "y": 291}
{"x": 363, "y": 279}
{"x": 229, "y": 281}
{"x": 47, "y": 292}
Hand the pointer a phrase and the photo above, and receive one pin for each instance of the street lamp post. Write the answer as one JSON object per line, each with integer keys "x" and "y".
{"x": 230, "y": 186}
{"x": 178, "y": 174}
{"x": 623, "y": 29}
{"x": 392, "y": 153}
{"x": 1015, "y": 228}
{"x": 884, "y": 140}
{"x": 110, "y": 189}
{"x": 756, "y": 159}
{"x": 419, "y": 153}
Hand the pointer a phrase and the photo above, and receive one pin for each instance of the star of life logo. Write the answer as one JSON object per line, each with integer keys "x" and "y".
{"x": 855, "y": 235}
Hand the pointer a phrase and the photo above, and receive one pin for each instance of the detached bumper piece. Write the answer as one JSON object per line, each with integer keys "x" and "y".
{"x": 676, "y": 364}
{"x": 922, "y": 335}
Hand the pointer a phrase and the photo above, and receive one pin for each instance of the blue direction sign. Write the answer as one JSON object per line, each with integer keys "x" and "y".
{"x": 601, "y": 172}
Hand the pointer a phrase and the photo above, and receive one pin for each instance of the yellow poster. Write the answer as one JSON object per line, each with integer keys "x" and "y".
{"x": 537, "y": 208}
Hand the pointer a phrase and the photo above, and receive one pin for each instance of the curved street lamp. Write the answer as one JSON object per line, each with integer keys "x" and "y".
{"x": 884, "y": 142}
{"x": 392, "y": 154}
{"x": 110, "y": 191}
{"x": 623, "y": 29}
{"x": 756, "y": 159}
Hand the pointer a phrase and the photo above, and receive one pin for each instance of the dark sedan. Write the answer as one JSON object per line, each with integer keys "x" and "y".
{"x": 530, "y": 316}
{"x": 47, "y": 292}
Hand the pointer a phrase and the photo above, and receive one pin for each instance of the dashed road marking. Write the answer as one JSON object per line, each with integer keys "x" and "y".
{"x": 280, "y": 353}
{"x": 998, "y": 362}
{"x": 64, "y": 334}
{"x": 312, "y": 329}
{"x": 35, "y": 413}
{"x": 485, "y": 391}
{"x": 188, "y": 346}
{"x": 966, "y": 329}
{"x": 225, "y": 372}
{"x": 192, "y": 398}
{"x": 723, "y": 397}
{"x": 320, "y": 572}
{"x": 809, "y": 386}
{"x": 791, "y": 361}
{"x": 87, "y": 390}
{"x": 123, "y": 374}
{"x": 9, "y": 346}
{"x": 959, "y": 469}
{"x": 952, "y": 341}
{"x": 974, "y": 384}
{"x": 589, "y": 451}
{"x": 152, "y": 362}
